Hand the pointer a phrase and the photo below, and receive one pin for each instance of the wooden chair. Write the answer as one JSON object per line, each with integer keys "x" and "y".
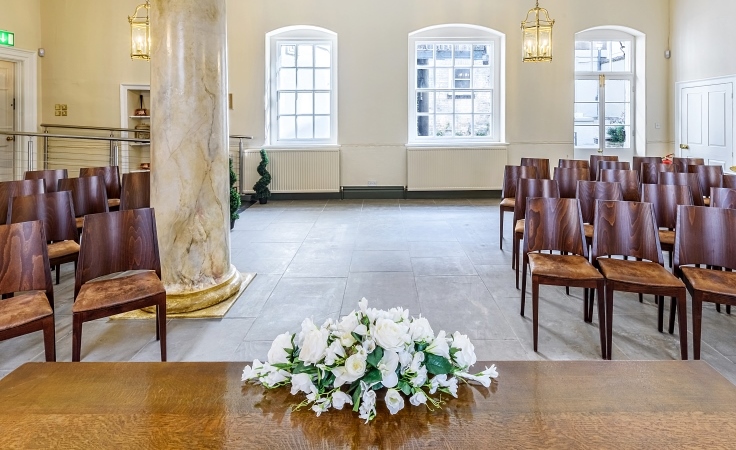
{"x": 115, "y": 243}
{"x": 590, "y": 191}
{"x": 666, "y": 199}
{"x": 729, "y": 181}
{"x": 611, "y": 165}
{"x": 594, "y": 164}
{"x": 629, "y": 229}
{"x": 709, "y": 177}
{"x": 684, "y": 179}
{"x": 723, "y": 198}
{"x": 567, "y": 180}
{"x": 56, "y": 211}
{"x": 556, "y": 224}
{"x": 573, "y": 164}
{"x": 88, "y": 195}
{"x": 705, "y": 237}
{"x": 136, "y": 190}
{"x": 9, "y": 189}
{"x": 650, "y": 172}
{"x": 51, "y": 177}
{"x": 629, "y": 180}
{"x": 111, "y": 177}
{"x": 24, "y": 267}
{"x": 511, "y": 176}
{"x": 682, "y": 163}
{"x": 542, "y": 165}
{"x": 527, "y": 188}
{"x": 639, "y": 160}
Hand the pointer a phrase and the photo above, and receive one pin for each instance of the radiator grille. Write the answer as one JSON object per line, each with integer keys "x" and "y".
{"x": 295, "y": 171}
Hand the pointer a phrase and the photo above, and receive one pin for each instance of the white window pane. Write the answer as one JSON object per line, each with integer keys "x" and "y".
{"x": 586, "y": 90}
{"x": 462, "y": 79}
{"x": 482, "y": 125}
{"x": 482, "y": 55}
{"x": 618, "y": 113}
{"x": 304, "y": 79}
{"x": 304, "y": 103}
{"x": 443, "y": 55}
{"x": 425, "y": 125}
{"x": 463, "y": 55}
{"x": 443, "y": 78}
{"x": 287, "y": 55}
{"x": 304, "y": 57}
{"x": 443, "y": 125}
{"x": 617, "y": 137}
{"x": 322, "y": 127}
{"x": 482, "y": 78}
{"x": 586, "y": 136}
{"x": 463, "y": 125}
{"x": 621, "y": 56}
{"x": 583, "y": 56}
{"x": 287, "y": 102}
{"x": 287, "y": 129}
{"x": 322, "y": 103}
{"x": 618, "y": 90}
{"x": 463, "y": 102}
{"x": 425, "y": 102}
{"x": 601, "y": 56}
{"x": 586, "y": 113}
{"x": 322, "y": 56}
{"x": 287, "y": 79}
{"x": 482, "y": 102}
{"x": 444, "y": 102}
{"x": 322, "y": 79}
{"x": 425, "y": 55}
{"x": 425, "y": 78}
{"x": 304, "y": 128}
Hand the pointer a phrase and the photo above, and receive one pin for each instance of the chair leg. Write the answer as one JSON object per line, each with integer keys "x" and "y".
{"x": 518, "y": 255}
{"x": 523, "y": 289}
{"x": 158, "y": 331}
{"x": 673, "y": 310}
{"x": 718, "y": 307}
{"x": 660, "y": 312}
{"x": 161, "y": 320}
{"x": 567, "y": 290}
{"x": 671, "y": 252}
{"x": 76, "y": 337}
{"x": 500, "y": 239}
{"x": 601, "y": 320}
{"x": 728, "y": 309}
{"x": 697, "y": 322}
{"x": 609, "y": 320}
{"x": 535, "y": 311}
{"x": 58, "y": 273}
{"x": 591, "y": 302}
{"x": 585, "y": 304}
{"x": 49, "y": 339}
{"x": 682, "y": 319}
{"x": 641, "y": 298}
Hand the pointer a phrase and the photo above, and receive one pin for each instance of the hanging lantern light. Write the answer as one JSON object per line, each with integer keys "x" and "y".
{"x": 140, "y": 33}
{"x": 537, "y": 35}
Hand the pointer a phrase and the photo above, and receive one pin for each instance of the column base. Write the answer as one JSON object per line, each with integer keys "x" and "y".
{"x": 204, "y": 298}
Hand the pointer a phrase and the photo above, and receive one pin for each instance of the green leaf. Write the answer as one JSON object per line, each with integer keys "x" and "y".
{"x": 377, "y": 386}
{"x": 453, "y": 350}
{"x": 284, "y": 366}
{"x": 356, "y": 336}
{"x": 356, "y": 398}
{"x": 421, "y": 346}
{"x": 405, "y": 388}
{"x": 289, "y": 351}
{"x": 372, "y": 376}
{"x": 301, "y": 368}
{"x": 375, "y": 357}
{"x": 437, "y": 365}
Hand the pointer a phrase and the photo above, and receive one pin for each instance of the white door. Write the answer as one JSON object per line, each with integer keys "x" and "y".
{"x": 7, "y": 118}
{"x": 706, "y": 123}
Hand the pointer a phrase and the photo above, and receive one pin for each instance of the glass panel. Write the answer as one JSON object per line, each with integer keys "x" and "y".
{"x": 482, "y": 102}
{"x": 463, "y": 125}
{"x": 601, "y": 57}
{"x": 443, "y": 125}
{"x": 583, "y": 56}
{"x": 482, "y": 55}
{"x": 617, "y": 136}
{"x": 443, "y": 78}
{"x": 462, "y": 78}
{"x": 425, "y": 78}
{"x": 444, "y": 102}
{"x": 586, "y": 90}
{"x": 304, "y": 56}
{"x": 425, "y": 102}
{"x": 586, "y": 113}
{"x": 425, "y": 125}
{"x": 304, "y": 79}
{"x": 287, "y": 79}
{"x": 304, "y": 103}
{"x": 482, "y": 125}
{"x": 463, "y": 102}
{"x": 322, "y": 55}
{"x": 286, "y": 103}
{"x": 304, "y": 127}
{"x": 287, "y": 57}
{"x": 618, "y": 90}
{"x": 322, "y": 103}
{"x": 287, "y": 129}
{"x": 618, "y": 113}
{"x": 586, "y": 136}
{"x": 620, "y": 56}
{"x": 482, "y": 78}
{"x": 322, "y": 79}
{"x": 463, "y": 53}
{"x": 425, "y": 55}
{"x": 443, "y": 56}
{"x": 322, "y": 127}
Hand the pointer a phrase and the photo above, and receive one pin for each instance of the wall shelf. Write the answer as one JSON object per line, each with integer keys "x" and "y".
{"x": 140, "y": 117}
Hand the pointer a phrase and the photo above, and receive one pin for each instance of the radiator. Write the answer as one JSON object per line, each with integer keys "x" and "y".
{"x": 295, "y": 171}
{"x": 441, "y": 169}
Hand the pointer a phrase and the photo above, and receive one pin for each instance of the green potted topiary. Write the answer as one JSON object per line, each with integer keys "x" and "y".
{"x": 234, "y": 197}
{"x": 261, "y": 186}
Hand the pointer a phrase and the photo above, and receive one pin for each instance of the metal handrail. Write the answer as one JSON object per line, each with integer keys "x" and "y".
{"x": 71, "y": 136}
{"x": 84, "y": 127}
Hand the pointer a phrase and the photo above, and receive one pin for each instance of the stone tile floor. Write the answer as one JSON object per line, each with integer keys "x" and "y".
{"x": 439, "y": 258}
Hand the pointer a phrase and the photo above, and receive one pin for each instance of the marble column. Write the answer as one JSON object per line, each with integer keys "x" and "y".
{"x": 189, "y": 152}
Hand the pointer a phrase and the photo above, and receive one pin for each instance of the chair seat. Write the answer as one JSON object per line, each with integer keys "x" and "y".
{"x": 80, "y": 222}
{"x": 62, "y": 248}
{"x": 106, "y": 293}
{"x": 711, "y": 281}
{"x": 24, "y": 308}
{"x": 640, "y": 273}
{"x": 588, "y": 230}
{"x": 112, "y": 202}
{"x": 519, "y": 227}
{"x": 508, "y": 202}
{"x": 667, "y": 237}
{"x": 570, "y": 267}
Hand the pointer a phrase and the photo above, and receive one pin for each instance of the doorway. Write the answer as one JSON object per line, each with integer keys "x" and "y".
{"x": 7, "y": 119}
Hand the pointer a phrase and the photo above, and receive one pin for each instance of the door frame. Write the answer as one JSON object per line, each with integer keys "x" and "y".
{"x": 26, "y": 105}
{"x": 679, "y": 86}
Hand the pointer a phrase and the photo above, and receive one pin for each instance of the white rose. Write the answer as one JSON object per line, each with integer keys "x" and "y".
{"x": 394, "y": 401}
{"x": 452, "y": 386}
{"x": 301, "y": 382}
{"x": 348, "y": 323}
{"x": 339, "y": 399}
{"x": 314, "y": 346}
{"x": 405, "y": 359}
{"x": 334, "y": 351}
{"x": 353, "y": 369}
{"x": 465, "y": 356}
{"x": 369, "y": 345}
{"x": 420, "y": 330}
{"x": 367, "y": 403}
{"x": 321, "y": 406}
{"x": 273, "y": 376}
{"x": 390, "y": 335}
{"x": 398, "y": 314}
{"x": 416, "y": 362}
{"x": 420, "y": 378}
{"x": 307, "y": 326}
{"x": 439, "y": 346}
{"x": 418, "y": 399}
{"x": 387, "y": 366}
{"x": 278, "y": 354}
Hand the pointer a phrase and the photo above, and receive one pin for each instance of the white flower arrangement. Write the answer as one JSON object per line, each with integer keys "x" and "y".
{"x": 345, "y": 363}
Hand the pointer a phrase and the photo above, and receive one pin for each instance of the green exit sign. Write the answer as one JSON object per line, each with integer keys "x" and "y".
{"x": 7, "y": 38}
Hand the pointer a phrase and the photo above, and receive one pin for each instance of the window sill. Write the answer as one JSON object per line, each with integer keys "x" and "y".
{"x": 457, "y": 144}
{"x": 302, "y": 147}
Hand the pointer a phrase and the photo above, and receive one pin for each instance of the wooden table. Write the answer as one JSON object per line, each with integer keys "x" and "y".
{"x": 590, "y": 404}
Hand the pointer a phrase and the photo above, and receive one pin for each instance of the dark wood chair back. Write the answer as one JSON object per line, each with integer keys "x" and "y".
{"x": 528, "y": 188}
{"x": 542, "y": 165}
{"x": 650, "y": 172}
{"x": 511, "y": 176}
{"x": 723, "y": 198}
{"x": 705, "y": 236}
{"x": 682, "y": 163}
{"x": 567, "y": 180}
{"x": 665, "y": 199}
{"x": 639, "y": 160}
{"x": 54, "y": 209}
{"x": 590, "y": 191}
{"x": 24, "y": 260}
{"x": 51, "y": 177}
{"x": 629, "y": 180}
{"x": 594, "y": 164}
{"x": 136, "y": 190}
{"x": 626, "y": 229}
{"x": 684, "y": 179}
{"x": 708, "y": 176}
{"x": 10, "y": 189}
{"x": 729, "y": 181}
{"x": 554, "y": 224}
{"x": 116, "y": 242}
{"x": 88, "y": 194}
{"x": 110, "y": 175}
{"x": 612, "y": 165}
{"x": 573, "y": 164}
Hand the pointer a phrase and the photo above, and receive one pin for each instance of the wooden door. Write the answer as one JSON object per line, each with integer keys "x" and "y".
{"x": 706, "y": 123}
{"x": 7, "y": 119}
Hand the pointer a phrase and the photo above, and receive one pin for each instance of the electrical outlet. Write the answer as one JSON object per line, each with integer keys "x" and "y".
{"x": 372, "y": 183}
